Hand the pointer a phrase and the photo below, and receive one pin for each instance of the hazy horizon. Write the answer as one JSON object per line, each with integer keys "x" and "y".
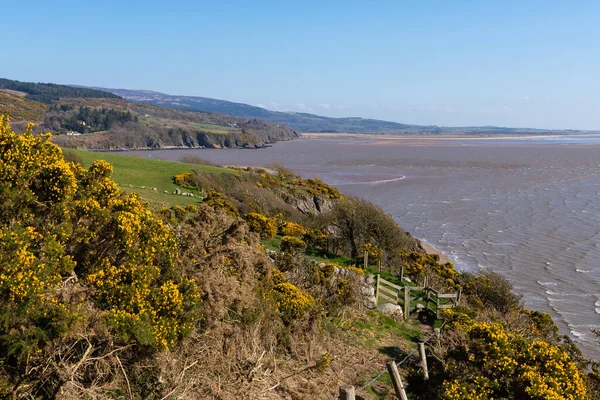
{"x": 489, "y": 63}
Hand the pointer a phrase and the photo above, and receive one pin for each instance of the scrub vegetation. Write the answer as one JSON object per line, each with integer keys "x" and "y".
{"x": 251, "y": 289}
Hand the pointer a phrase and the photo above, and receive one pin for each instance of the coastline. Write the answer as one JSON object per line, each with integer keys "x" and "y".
{"x": 429, "y": 249}
{"x": 450, "y": 137}
{"x": 536, "y": 292}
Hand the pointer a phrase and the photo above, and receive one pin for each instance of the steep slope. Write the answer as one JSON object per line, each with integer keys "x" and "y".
{"x": 19, "y": 108}
{"x": 104, "y": 296}
{"x": 129, "y": 125}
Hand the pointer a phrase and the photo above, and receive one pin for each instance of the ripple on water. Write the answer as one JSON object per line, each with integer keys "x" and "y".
{"x": 536, "y": 223}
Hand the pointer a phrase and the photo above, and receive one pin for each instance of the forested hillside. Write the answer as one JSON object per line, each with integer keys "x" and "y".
{"x": 92, "y": 119}
{"x": 118, "y": 124}
{"x": 48, "y": 92}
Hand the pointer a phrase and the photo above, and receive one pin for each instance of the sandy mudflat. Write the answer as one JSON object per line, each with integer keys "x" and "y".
{"x": 428, "y": 137}
{"x": 526, "y": 208}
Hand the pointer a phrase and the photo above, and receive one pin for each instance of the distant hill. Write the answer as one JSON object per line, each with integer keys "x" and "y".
{"x": 300, "y": 122}
{"x": 92, "y": 119}
{"x": 227, "y": 123}
{"x": 304, "y": 122}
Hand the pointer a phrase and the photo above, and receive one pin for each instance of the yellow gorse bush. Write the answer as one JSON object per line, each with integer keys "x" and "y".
{"x": 288, "y": 228}
{"x": 324, "y": 362}
{"x": 291, "y": 302}
{"x": 497, "y": 362}
{"x": 344, "y": 291}
{"x": 183, "y": 178}
{"x": 266, "y": 227}
{"x": 292, "y": 244}
{"x": 316, "y": 238}
{"x": 375, "y": 252}
{"x": 317, "y": 186}
{"x": 23, "y": 275}
{"x": 60, "y": 220}
{"x": 356, "y": 270}
{"x": 416, "y": 263}
{"x": 330, "y": 266}
{"x": 218, "y": 201}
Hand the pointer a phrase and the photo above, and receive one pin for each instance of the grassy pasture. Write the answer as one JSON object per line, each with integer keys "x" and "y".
{"x": 131, "y": 173}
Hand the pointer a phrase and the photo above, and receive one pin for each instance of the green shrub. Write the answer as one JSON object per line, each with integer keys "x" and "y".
{"x": 266, "y": 227}
{"x": 288, "y": 228}
{"x": 292, "y": 244}
{"x": 492, "y": 290}
{"x": 61, "y": 220}
{"x": 218, "y": 201}
{"x": 291, "y": 302}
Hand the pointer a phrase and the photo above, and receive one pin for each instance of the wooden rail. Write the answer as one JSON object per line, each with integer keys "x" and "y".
{"x": 350, "y": 392}
{"x": 403, "y": 296}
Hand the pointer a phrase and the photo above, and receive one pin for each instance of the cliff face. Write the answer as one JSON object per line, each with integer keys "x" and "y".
{"x": 311, "y": 204}
{"x": 251, "y": 138}
{"x": 124, "y": 138}
{"x": 268, "y": 132}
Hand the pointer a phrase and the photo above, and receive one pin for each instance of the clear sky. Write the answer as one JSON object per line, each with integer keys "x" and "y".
{"x": 510, "y": 63}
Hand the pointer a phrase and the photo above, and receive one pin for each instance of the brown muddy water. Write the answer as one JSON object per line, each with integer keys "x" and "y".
{"x": 527, "y": 208}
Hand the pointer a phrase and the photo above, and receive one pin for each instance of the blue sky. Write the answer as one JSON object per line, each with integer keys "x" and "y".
{"x": 510, "y": 63}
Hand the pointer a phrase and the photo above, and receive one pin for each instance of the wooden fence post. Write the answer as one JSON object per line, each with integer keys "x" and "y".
{"x": 402, "y": 274}
{"x": 458, "y": 293}
{"x": 437, "y": 307}
{"x": 347, "y": 393}
{"x": 406, "y": 302}
{"x": 423, "y": 359}
{"x": 396, "y": 380}
{"x": 366, "y": 259}
{"x": 377, "y": 290}
{"x": 438, "y": 334}
{"x": 427, "y": 301}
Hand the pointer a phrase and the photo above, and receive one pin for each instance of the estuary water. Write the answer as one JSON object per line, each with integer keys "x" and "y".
{"x": 528, "y": 208}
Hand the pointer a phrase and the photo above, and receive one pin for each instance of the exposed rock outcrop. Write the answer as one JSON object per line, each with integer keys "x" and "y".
{"x": 312, "y": 204}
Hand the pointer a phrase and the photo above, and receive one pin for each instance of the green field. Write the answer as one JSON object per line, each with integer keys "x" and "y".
{"x": 202, "y": 127}
{"x": 218, "y": 129}
{"x": 131, "y": 173}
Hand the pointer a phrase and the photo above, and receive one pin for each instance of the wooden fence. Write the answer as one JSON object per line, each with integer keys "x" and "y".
{"x": 349, "y": 392}
{"x": 411, "y": 296}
